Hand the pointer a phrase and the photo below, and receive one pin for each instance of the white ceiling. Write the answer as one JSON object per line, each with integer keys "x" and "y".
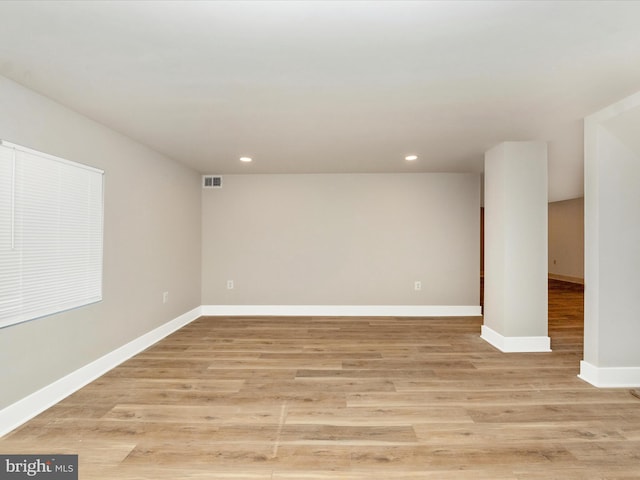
{"x": 332, "y": 86}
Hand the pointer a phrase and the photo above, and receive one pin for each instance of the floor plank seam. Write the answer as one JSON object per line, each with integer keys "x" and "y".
{"x": 283, "y": 410}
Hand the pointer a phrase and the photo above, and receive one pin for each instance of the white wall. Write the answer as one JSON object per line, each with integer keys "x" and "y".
{"x": 612, "y": 236}
{"x": 618, "y": 255}
{"x": 151, "y": 244}
{"x": 566, "y": 240}
{"x": 342, "y": 240}
{"x": 515, "y": 264}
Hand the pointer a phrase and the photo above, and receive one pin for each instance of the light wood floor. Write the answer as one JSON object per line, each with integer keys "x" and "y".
{"x": 348, "y": 399}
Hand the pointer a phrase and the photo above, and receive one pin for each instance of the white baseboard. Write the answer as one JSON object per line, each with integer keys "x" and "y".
{"x": 515, "y": 344}
{"x": 609, "y": 377}
{"x": 23, "y": 410}
{"x": 566, "y": 278}
{"x": 343, "y": 310}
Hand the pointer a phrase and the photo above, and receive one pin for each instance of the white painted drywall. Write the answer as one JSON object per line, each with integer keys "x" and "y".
{"x": 612, "y": 237}
{"x": 566, "y": 239}
{"x": 515, "y": 268}
{"x": 342, "y": 239}
{"x": 151, "y": 244}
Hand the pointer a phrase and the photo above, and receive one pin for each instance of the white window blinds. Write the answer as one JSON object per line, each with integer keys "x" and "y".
{"x": 51, "y": 221}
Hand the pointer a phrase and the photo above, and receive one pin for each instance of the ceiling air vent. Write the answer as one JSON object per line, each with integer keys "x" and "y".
{"x": 211, "y": 181}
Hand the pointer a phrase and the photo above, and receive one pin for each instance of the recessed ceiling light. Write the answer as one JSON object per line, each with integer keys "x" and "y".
{"x": 411, "y": 158}
{"x": 246, "y": 159}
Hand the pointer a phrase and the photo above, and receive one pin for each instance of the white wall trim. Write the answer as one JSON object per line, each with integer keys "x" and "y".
{"x": 609, "y": 377}
{"x": 566, "y": 278}
{"x": 23, "y": 410}
{"x": 515, "y": 344}
{"x": 344, "y": 310}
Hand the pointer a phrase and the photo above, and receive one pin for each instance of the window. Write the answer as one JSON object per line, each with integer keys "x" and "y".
{"x": 51, "y": 223}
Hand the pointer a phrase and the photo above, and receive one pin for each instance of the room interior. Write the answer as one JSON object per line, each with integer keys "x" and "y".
{"x": 329, "y": 219}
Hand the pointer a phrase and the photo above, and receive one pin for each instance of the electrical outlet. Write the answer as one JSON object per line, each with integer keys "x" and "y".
{"x": 165, "y": 297}
{"x": 417, "y": 285}
{"x": 229, "y": 284}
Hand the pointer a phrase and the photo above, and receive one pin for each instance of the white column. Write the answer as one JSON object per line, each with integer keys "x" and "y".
{"x": 612, "y": 246}
{"x": 515, "y": 268}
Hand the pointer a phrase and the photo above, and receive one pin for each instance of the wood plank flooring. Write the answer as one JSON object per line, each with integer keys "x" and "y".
{"x": 348, "y": 399}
